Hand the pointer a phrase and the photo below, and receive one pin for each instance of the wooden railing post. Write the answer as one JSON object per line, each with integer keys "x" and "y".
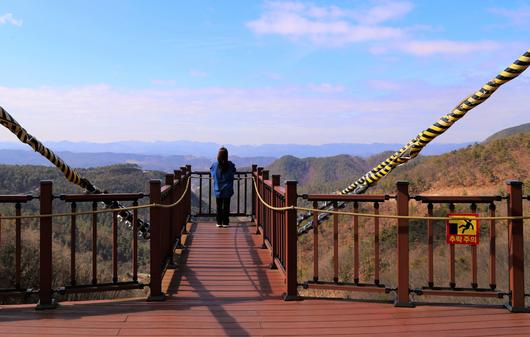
{"x": 259, "y": 206}
{"x": 186, "y": 203}
{"x": 187, "y": 211}
{"x": 403, "y": 299}
{"x": 179, "y": 210}
{"x": 265, "y": 223}
{"x": 45, "y": 281}
{"x": 274, "y": 225}
{"x": 516, "y": 247}
{"x": 291, "y": 242}
{"x": 155, "y": 242}
{"x": 170, "y": 218}
{"x": 253, "y": 192}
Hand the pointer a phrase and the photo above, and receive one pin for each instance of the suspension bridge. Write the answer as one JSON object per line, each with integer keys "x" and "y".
{"x": 248, "y": 281}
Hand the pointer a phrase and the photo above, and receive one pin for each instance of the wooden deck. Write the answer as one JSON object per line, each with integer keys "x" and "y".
{"x": 227, "y": 289}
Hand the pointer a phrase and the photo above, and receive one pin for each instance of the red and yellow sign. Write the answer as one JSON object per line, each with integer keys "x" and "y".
{"x": 462, "y": 231}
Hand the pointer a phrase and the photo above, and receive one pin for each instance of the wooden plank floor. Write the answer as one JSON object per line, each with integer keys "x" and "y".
{"x": 227, "y": 289}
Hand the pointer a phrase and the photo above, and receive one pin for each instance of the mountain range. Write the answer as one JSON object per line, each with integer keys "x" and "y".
{"x": 482, "y": 167}
{"x": 209, "y": 150}
{"x": 146, "y": 162}
{"x": 166, "y": 156}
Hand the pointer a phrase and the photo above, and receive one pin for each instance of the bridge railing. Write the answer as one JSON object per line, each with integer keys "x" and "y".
{"x": 76, "y": 203}
{"x": 84, "y": 225}
{"x": 14, "y": 203}
{"x": 368, "y": 203}
{"x": 205, "y": 201}
{"x": 433, "y": 237}
{"x": 165, "y": 237}
{"x": 278, "y": 228}
{"x": 277, "y": 224}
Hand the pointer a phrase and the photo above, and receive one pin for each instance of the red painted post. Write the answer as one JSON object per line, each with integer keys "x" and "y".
{"x": 274, "y": 225}
{"x": 493, "y": 271}
{"x": 516, "y": 247}
{"x": 155, "y": 243}
{"x": 403, "y": 299}
{"x": 291, "y": 242}
{"x": 45, "y": 282}
{"x": 170, "y": 219}
{"x": 18, "y": 246}
{"x": 179, "y": 210}
{"x": 253, "y": 193}
{"x": 94, "y": 243}
{"x": 335, "y": 244}
{"x": 259, "y": 206}
{"x": 186, "y": 203}
{"x": 265, "y": 213}
{"x": 114, "y": 247}
{"x": 73, "y": 236}
{"x": 188, "y": 196}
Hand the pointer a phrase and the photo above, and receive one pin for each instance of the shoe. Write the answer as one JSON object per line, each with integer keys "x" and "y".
{"x": 219, "y": 225}
{"x": 225, "y": 226}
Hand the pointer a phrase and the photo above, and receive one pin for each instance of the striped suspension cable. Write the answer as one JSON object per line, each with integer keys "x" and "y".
{"x": 413, "y": 148}
{"x": 10, "y": 123}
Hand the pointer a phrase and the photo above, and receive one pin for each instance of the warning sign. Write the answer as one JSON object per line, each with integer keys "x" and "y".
{"x": 463, "y": 231}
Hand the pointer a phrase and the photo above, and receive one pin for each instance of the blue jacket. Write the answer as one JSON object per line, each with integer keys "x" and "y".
{"x": 223, "y": 181}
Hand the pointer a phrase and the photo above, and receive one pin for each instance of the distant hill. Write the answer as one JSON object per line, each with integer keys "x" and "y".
{"x": 114, "y": 178}
{"x": 523, "y": 128}
{"x": 324, "y": 174}
{"x": 483, "y": 167}
{"x": 146, "y": 162}
{"x": 209, "y": 150}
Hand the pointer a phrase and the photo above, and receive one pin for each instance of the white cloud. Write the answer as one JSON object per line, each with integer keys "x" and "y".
{"x": 9, "y": 19}
{"x": 273, "y": 76}
{"x": 519, "y": 17}
{"x": 329, "y": 25}
{"x": 326, "y": 88}
{"x": 385, "y": 12}
{"x": 384, "y": 85}
{"x": 430, "y": 47}
{"x": 333, "y": 26}
{"x": 164, "y": 82}
{"x": 261, "y": 115}
{"x": 198, "y": 73}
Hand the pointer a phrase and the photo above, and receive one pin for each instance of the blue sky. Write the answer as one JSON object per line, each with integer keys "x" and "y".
{"x": 252, "y": 72}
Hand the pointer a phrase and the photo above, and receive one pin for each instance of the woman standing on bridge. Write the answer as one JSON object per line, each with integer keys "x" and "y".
{"x": 223, "y": 172}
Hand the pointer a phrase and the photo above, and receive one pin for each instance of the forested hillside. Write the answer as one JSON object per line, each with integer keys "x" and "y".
{"x": 523, "y": 128}
{"x": 25, "y": 179}
{"x": 481, "y": 167}
{"x": 477, "y": 169}
{"x": 319, "y": 174}
{"x": 114, "y": 178}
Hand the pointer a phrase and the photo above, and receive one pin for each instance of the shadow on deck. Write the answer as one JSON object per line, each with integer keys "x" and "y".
{"x": 225, "y": 288}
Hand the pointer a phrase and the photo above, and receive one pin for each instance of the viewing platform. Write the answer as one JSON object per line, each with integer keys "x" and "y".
{"x": 226, "y": 288}
{"x": 246, "y": 280}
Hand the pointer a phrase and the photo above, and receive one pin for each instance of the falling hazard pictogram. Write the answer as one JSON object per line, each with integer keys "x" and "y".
{"x": 463, "y": 230}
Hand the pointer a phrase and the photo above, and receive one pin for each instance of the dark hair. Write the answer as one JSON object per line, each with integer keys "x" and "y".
{"x": 222, "y": 158}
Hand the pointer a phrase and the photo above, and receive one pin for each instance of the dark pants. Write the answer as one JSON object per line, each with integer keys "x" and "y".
{"x": 223, "y": 210}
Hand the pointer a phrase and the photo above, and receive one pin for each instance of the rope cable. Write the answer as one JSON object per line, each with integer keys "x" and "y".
{"x": 130, "y": 208}
{"x": 415, "y": 145}
{"x": 382, "y": 216}
{"x": 70, "y": 174}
